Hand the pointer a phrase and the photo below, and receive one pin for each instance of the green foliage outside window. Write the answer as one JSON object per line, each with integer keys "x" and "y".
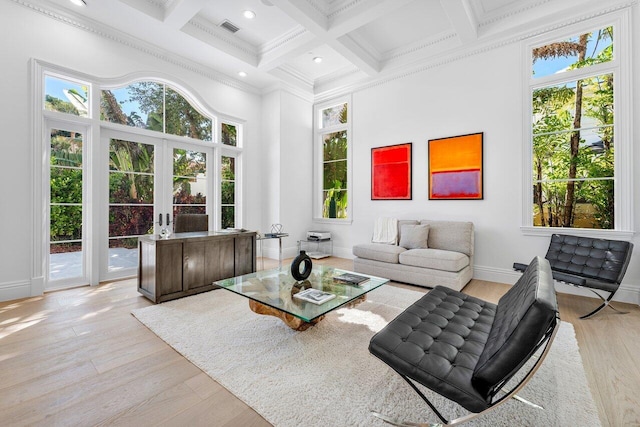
{"x": 65, "y": 189}
{"x": 229, "y": 134}
{"x": 164, "y": 108}
{"x": 334, "y": 176}
{"x": 573, "y": 141}
{"x": 189, "y": 167}
{"x": 228, "y": 192}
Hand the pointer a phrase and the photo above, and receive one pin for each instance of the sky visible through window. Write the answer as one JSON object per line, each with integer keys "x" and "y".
{"x": 546, "y": 67}
{"x": 55, "y": 87}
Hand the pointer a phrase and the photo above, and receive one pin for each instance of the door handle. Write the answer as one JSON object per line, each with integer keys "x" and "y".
{"x": 160, "y": 220}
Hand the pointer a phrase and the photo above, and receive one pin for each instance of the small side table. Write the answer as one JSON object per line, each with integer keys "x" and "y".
{"x": 266, "y": 236}
{"x": 316, "y": 249}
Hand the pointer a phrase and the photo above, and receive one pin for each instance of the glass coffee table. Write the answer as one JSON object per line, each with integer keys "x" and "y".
{"x": 271, "y": 292}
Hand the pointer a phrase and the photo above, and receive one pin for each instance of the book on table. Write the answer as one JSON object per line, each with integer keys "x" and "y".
{"x": 314, "y": 296}
{"x": 351, "y": 279}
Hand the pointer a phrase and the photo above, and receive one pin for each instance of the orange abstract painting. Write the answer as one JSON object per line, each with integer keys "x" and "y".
{"x": 455, "y": 167}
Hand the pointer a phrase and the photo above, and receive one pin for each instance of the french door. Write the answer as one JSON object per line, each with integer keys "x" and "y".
{"x": 68, "y": 237}
{"x": 149, "y": 181}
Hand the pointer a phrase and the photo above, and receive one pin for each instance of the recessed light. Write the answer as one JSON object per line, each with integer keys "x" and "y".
{"x": 249, "y": 14}
{"x": 79, "y": 2}
{"x": 242, "y": 74}
{"x": 317, "y": 59}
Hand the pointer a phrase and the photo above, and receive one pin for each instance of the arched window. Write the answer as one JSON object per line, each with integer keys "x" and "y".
{"x": 155, "y": 106}
{"x": 123, "y": 167}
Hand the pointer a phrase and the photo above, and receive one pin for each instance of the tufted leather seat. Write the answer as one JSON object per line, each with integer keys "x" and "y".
{"x": 592, "y": 263}
{"x": 465, "y": 348}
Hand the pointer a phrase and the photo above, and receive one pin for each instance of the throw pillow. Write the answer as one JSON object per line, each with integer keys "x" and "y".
{"x": 414, "y": 236}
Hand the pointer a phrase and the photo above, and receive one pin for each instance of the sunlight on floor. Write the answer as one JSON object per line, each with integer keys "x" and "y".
{"x": 374, "y": 322}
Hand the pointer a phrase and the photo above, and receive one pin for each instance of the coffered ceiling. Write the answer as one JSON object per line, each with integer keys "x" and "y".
{"x": 357, "y": 40}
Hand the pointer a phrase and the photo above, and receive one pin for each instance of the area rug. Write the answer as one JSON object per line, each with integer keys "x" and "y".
{"x": 325, "y": 375}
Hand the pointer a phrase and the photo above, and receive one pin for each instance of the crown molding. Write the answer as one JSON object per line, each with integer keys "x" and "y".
{"x": 295, "y": 74}
{"x": 395, "y": 54}
{"x": 109, "y": 33}
{"x": 339, "y": 9}
{"x": 497, "y": 16}
{"x": 162, "y": 4}
{"x": 288, "y": 37}
{"x": 285, "y": 87}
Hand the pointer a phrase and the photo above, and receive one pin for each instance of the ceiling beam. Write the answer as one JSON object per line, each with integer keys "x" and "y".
{"x": 180, "y": 12}
{"x": 317, "y": 23}
{"x": 362, "y": 14}
{"x": 462, "y": 18}
{"x": 288, "y": 51}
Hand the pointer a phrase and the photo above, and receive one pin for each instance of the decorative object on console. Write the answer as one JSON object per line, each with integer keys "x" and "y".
{"x": 455, "y": 168}
{"x": 304, "y": 259}
{"x": 391, "y": 172}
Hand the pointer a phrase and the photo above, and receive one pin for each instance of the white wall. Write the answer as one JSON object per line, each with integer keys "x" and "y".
{"x": 480, "y": 93}
{"x": 463, "y": 97}
{"x": 34, "y": 35}
{"x": 287, "y": 169}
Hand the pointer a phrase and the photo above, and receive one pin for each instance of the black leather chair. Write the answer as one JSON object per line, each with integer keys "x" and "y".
{"x": 595, "y": 264}
{"x": 467, "y": 349}
{"x": 185, "y": 223}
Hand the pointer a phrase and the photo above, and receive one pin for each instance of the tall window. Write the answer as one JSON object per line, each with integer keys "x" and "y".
{"x": 65, "y": 215}
{"x": 228, "y": 192}
{"x": 574, "y": 83}
{"x": 332, "y": 150}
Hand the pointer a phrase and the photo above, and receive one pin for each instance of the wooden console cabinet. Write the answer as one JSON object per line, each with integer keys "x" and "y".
{"x": 189, "y": 263}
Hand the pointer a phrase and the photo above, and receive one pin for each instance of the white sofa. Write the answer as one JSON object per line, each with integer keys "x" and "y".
{"x": 446, "y": 258}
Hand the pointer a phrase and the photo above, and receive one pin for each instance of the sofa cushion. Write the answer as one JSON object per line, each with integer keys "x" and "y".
{"x": 451, "y": 235}
{"x": 414, "y": 236}
{"x": 434, "y": 258}
{"x": 378, "y": 252}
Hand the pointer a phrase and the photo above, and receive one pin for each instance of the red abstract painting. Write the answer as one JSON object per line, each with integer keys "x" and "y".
{"x": 391, "y": 172}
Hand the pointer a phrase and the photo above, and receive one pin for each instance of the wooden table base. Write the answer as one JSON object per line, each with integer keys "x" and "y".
{"x": 291, "y": 321}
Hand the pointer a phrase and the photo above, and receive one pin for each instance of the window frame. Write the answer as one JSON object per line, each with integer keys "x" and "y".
{"x": 318, "y": 158}
{"x": 96, "y": 178}
{"x": 620, "y": 67}
{"x": 236, "y": 186}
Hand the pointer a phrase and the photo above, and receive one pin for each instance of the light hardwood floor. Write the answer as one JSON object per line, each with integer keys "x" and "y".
{"x": 78, "y": 357}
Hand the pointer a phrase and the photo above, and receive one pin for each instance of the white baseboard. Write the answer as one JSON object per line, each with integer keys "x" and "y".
{"x": 345, "y": 253}
{"x": 14, "y": 290}
{"x": 626, "y": 293}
